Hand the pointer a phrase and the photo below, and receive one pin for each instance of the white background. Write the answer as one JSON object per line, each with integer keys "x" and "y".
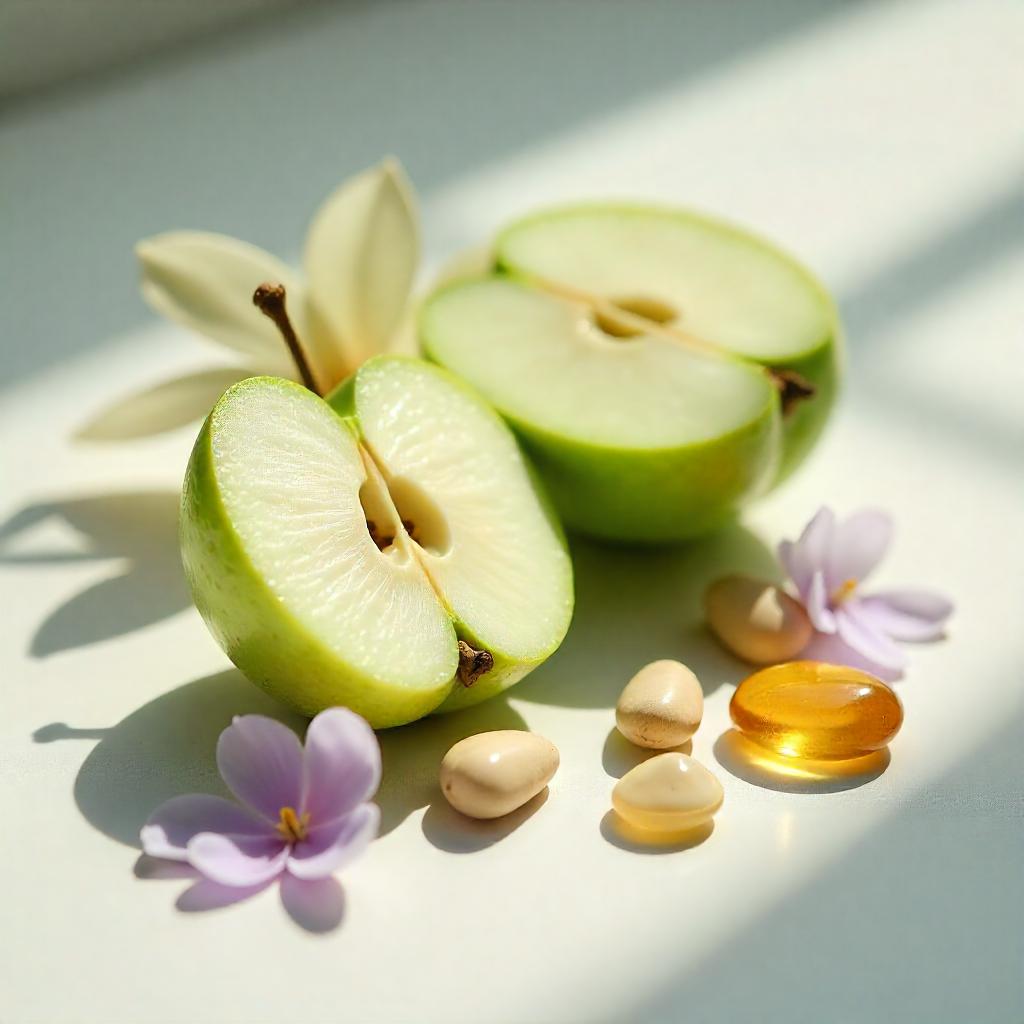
{"x": 885, "y": 145}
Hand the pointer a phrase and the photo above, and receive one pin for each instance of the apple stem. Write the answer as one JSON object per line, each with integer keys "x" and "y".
{"x": 269, "y": 298}
{"x": 473, "y": 664}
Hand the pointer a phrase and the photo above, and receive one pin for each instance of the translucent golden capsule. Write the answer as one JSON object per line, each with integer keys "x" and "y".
{"x": 814, "y": 710}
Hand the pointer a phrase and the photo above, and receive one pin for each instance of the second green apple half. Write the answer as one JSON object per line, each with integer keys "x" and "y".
{"x": 661, "y": 368}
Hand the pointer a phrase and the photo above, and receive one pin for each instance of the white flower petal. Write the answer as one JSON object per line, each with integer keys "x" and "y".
{"x": 405, "y": 340}
{"x": 332, "y": 359}
{"x": 163, "y": 407}
{"x": 361, "y": 256}
{"x": 205, "y": 282}
{"x": 477, "y": 261}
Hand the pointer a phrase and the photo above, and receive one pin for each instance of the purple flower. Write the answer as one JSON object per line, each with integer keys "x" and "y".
{"x": 303, "y": 812}
{"x": 828, "y": 564}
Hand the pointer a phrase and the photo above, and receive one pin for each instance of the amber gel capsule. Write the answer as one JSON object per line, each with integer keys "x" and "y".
{"x": 815, "y": 710}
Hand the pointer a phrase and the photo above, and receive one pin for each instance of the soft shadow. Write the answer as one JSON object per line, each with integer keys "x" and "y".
{"x": 155, "y": 869}
{"x": 137, "y": 528}
{"x": 164, "y": 749}
{"x": 168, "y": 747}
{"x": 315, "y": 905}
{"x": 760, "y": 767}
{"x": 453, "y": 832}
{"x": 203, "y": 896}
{"x": 412, "y": 756}
{"x": 620, "y": 756}
{"x": 636, "y": 840}
{"x": 62, "y": 731}
{"x": 634, "y": 605}
{"x": 926, "y": 902}
{"x": 981, "y": 238}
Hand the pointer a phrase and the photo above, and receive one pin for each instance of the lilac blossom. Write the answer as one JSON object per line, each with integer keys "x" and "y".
{"x": 302, "y": 812}
{"x": 828, "y": 564}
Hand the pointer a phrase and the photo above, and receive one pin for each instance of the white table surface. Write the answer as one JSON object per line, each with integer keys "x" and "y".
{"x": 885, "y": 144}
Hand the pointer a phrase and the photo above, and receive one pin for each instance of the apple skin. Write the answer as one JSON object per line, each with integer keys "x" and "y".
{"x": 265, "y": 641}
{"x": 507, "y": 670}
{"x": 677, "y": 494}
{"x": 662, "y": 495}
{"x": 805, "y": 423}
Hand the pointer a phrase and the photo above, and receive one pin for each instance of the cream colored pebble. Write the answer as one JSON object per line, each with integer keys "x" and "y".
{"x": 493, "y": 773}
{"x": 667, "y": 793}
{"x": 661, "y": 706}
{"x": 757, "y": 621}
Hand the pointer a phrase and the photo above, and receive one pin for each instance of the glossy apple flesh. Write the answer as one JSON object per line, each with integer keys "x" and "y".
{"x": 386, "y": 549}
{"x": 661, "y": 368}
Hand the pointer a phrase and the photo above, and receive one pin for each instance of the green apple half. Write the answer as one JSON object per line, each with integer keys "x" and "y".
{"x": 661, "y": 368}
{"x": 386, "y": 549}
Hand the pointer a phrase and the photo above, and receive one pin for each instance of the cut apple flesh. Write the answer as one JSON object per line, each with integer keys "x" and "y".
{"x": 290, "y": 474}
{"x": 487, "y": 546}
{"x": 704, "y": 278}
{"x": 545, "y": 361}
{"x": 381, "y": 540}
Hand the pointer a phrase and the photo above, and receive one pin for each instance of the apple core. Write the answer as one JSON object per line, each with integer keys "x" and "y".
{"x": 648, "y": 309}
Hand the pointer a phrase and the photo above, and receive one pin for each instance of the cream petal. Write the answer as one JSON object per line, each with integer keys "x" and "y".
{"x": 331, "y": 358}
{"x": 205, "y": 281}
{"x": 405, "y": 340}
{"x": 361, "y": 255}
{"x": 162, "y": 407}
{"x": 476, "y": 261}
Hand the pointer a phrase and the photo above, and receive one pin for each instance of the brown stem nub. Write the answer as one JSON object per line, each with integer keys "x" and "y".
{"x": 793, "y": 389}
{"x": 269, "y": 298}
{"x": 473, "y": 664}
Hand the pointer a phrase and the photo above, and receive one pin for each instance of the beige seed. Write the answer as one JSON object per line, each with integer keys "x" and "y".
{"x": 492, "y": 773}
{"x": 757, "y": 621}
{"x": 661, "y": 706}
{"x": 668, "y": 793}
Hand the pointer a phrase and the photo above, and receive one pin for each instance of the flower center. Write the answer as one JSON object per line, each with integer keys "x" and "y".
{"x": 293, "y": 827}
{"x": 842, "y": 592}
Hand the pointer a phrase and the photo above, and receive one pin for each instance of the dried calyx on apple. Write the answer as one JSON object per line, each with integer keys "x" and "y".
{"x": 660, "y": 367}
